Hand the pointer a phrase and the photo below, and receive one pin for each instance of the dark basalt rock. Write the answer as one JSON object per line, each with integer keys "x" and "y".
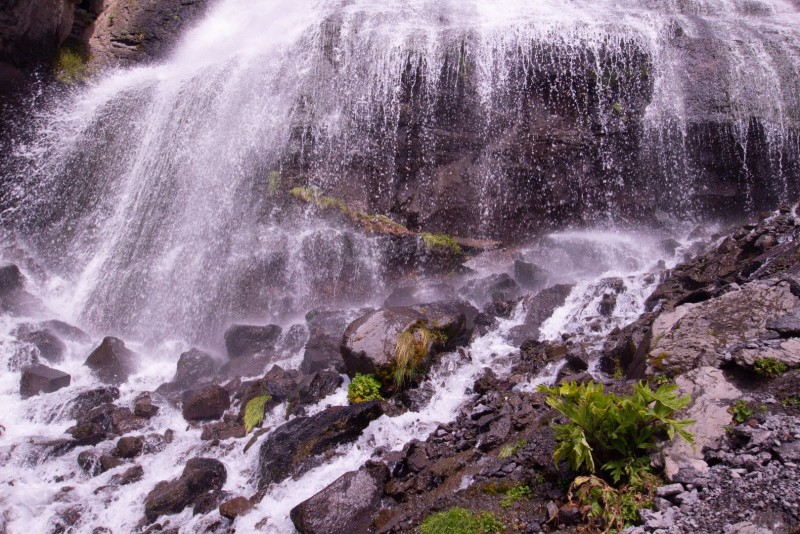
{"x": 50, "y": 347}
{"x": 89, "y": 463}
{"x": 538, "y": 308}
{"x": 85, "y": 402}
{"x": 349, "y": 504}
{"x": 38, "y": 379}
{"x": 491, "y": 289}
{"x": 222, "y": 431}
{"x": 235, "y": 507}
{"x": 66, "y": 331}
{"x": 143, "y": 406}
{"x": 104, "y": 421}
{"x": 252, "y": 365}
{"x": 530, "y": 275}
{"x": 322, "y": 352}
{"x": 205, "y": 403}
{"x": 129, "y": 476}
{"x": 112, "y": 362}
{"x": 419, "y": 294}
{"x": 246, "y": 340}
{"x": 11, "y": 280}
{"x": 290, "y": 450}
{"x": 129, "y": 447}
{"x": 194, "y": 368}
{"x": 199, "y": 477}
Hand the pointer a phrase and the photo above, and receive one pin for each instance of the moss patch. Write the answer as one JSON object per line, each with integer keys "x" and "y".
{"x": 377, "y": 224}
{"x": 254, "y": 412}
{"x": 72, "y": 62}
{"x": 441, "y": 241}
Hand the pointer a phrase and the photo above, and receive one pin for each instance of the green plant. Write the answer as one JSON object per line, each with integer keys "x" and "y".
{"x": 442, "y": 241}
{"x": 461, "y": 521}
{"x": 515, "y": 494}
{"x": 614, "y": 433}
{"x": 769, "y": 367}
{"x": 254, "y": 411}
{"x": 790, "y": 402}
{"x": 741, "y": 411}
{"x": 72, "y": 62}
{"x": 612, "y": 509}
{"x": 510, "y": 450}
{"x": 363, "y": 388}
{"x": 412, "y": 346}
{"x": 617, "y": 108}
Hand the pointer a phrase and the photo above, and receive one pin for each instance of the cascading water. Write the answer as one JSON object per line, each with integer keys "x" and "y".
{"x": 153, "y": 203}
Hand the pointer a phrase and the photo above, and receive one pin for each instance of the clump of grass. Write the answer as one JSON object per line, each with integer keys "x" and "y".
{"x": 363, "y": 388}
{"x": 515, "y": 494}
{"x": 510, "y": 450}
{"x": 412, "y": 346}
{"x": 72, "y": 62}
{"x": 769, "y": 367}
{"x": 461, "y": 521}
{"x": 254, "y": 412}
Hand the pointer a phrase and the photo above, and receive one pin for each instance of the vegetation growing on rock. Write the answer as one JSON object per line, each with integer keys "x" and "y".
{"x": 769, "y": 367}
{"x": 441, "y": 241}
{"x": 378, "y": 224}
{"x": 413, "y": 345}
{"x": 254, "y": 412}
{"x": 363, "y": 388}
{"x": 72, "y": 62}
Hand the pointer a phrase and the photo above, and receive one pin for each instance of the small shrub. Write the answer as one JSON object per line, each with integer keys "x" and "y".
{"x": 254, "y": 412}
{"x": 363, "y": 388}
{"x": 612, "y": 509}
{"x": 515, "y": 495}
{"x": 510, "y": 450}
{"x": 461, "y": 521}
{"x": 614, "y": 433}
{"x": 769, "y": 367}
{"x": 790, "y": 402}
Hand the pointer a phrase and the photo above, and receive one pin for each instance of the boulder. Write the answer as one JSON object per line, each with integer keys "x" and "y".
{"x": 251, "y": 365}
{"x": 292, "y": 448}
{"x": 370, "y": 343}
{"x": 89, "y": 463}
{"x": 200, "y": 476}
{"x": 143, "y": 406}
{"x": 130, "y": 476}
{"x": 103, "y": 422}
{"x": 39, "y": 378}
{"x": 66, "y": 331}
{"x": 700, "y": 334}
{"x": 49, "y": 346}
{"x": 246, "y": 340}
{"x": 530, "y": 275}
{"x": 194, "y": 368}
{"x": 129, "y": 447}
{"x": 711, "y": 395}
{"x": 112, "y": 362}
{"x": 322, "y": 352}
{"x": 235, "y": 507}
{"x": 490, "y": 289}
{"x": 85, "y": 402}
{"x": 11, "y": 280}
{"x": 349, "y": 504}
{"x": 221, "y": 431}
{"x": 538, "y": 307}
{"x": 209, "y": 402}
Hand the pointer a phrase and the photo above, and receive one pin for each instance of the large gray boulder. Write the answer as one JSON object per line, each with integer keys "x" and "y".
{"x": 112, "y": 362}
{"x": 349, "y": 504}
{"x": 371, "y": 343}
{"x": 729, "y": 326}
{"x": 246, "y": 340}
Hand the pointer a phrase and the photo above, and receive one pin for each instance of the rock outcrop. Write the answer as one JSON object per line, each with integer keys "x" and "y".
{"x": 112, "y": 362}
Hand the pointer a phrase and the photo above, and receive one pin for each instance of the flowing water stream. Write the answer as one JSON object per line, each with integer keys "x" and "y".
{"x": 151, "y": 204}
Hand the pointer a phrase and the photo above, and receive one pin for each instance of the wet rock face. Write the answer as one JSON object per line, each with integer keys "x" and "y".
{"x": 38, "y": 379}
{"x": 199, "y": 477}
{"x": 30, "y": 32}
{"x": 291, "y": 449}
{"x": 145, "y": 30}
{"x": 194, "y": 367}
{"x": 205, "y": 403}
{"x": 112, "y": 362}
{"x": 246, "y": 340}
{"x": 347, "y": 505}
{"x": 538, "y": 308}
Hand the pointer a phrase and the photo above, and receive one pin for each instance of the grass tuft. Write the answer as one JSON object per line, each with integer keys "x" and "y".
{"x": 254, "y": 412}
